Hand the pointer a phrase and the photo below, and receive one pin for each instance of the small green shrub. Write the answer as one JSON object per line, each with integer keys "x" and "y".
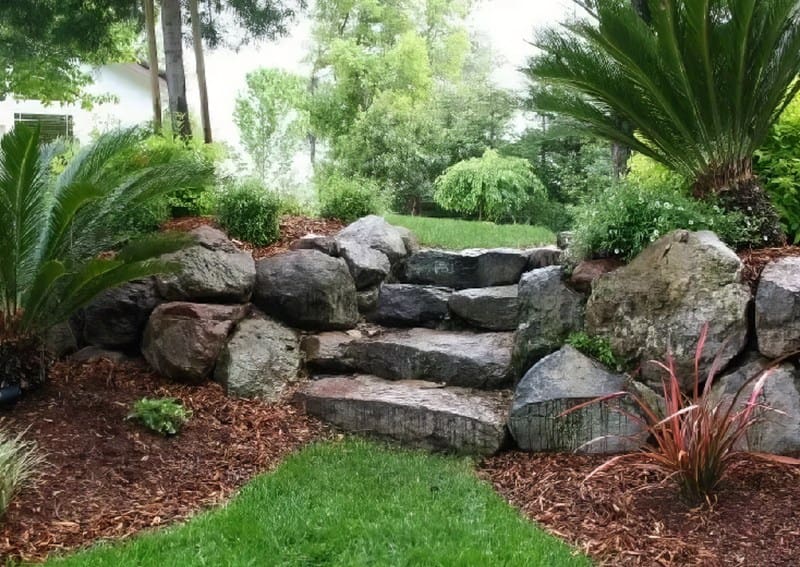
{"x": 622, "y": 220}
{"x": 296, "y": 207}
{"x": 594, "y": 347}
{"x": 250, "y": 212}
{"x": 347, "y": 198}
{"x": 19, "y": 460}
{"x": 165, "y": 416}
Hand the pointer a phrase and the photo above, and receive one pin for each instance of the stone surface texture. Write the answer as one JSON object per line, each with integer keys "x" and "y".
{"x": 778, "y": 308}
{"x": 464, "y": 269}
{"x": 543, "y": 257}
{"x": 369, "y": 267}
{"x": 586, "y": 272}
{"x": 406, "y": 305}
{"x": 116, "y": 318}
{"x": 492, "y": 308}
{"x": 374, "y": 232}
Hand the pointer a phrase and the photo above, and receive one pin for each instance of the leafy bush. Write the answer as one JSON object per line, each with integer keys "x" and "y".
{"x": 778, "y": 164}
{"x": 491, "y": 187}
{"x": 19, "y": 460}
{"x": 292, "y": 205}
{"x": 595, "y": 347}
{"x": 165, "y": 416}
{"x": 250, "y": 212}
{"x": 622, "y": 220}
{"x": 695, "y": 437}
{"x": 347, "y": 198}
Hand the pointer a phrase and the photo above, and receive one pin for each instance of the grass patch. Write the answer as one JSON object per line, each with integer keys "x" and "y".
{"x": 459, "y": 234}
{"x": 350, "y": 503}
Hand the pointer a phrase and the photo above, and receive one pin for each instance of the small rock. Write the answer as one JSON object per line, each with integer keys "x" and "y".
{"x": 93, "y": 353}
{"x": 588, "y": 271}
{"x": 368, "y": 299}
{"x": 326, "y": 352}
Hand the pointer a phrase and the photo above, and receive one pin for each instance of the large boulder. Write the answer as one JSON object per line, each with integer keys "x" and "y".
{"x": 548, "y": 312}
{"x": 464, "y": 269}
{"x": 492, "y": 308}
{"x": 182, "y": 341}
{"x": 665, "y": 296}
{"x": 374, "y": 232}
{"x": 406, "y": 305}
{"x": 325, "y": 244}
{"x": 369, "y": 267}
{"x": 259, "y": 360}
{"x": 307, "y": 289}
{"x": 778, "y": 308}
{"x": 116, "y": 318}
{"x": 213, "y": 270}
{"x": 778, "y": 428}
{"x": 559, "y": 382}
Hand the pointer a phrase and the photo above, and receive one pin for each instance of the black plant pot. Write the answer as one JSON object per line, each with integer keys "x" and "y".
{"x": 9, "y": 395}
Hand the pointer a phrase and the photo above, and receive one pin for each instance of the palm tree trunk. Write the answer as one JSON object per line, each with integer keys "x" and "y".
{"x": 197, "y": 41}
{"x": 152, "y": 54}
{"x": 176, "y": 76}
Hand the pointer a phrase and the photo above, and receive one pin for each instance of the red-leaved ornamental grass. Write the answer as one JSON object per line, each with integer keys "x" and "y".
{"x": 693, "y": 438}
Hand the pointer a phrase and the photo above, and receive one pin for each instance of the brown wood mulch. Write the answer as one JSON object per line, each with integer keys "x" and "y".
{"x": 291, "y": 227}
{"x": 755, "y": 261}
{"x": 627, "y": 517}
{"x": 109, "y": 477}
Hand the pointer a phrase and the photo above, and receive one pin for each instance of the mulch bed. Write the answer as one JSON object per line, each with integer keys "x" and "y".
{"x": 628, "y": 517}
{"x": 755, "y": 260}
{"x": 108, "y": 477}
{"x": 292, "y": 228}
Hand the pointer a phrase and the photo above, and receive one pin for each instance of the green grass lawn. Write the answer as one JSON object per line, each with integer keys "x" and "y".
{"x": 350, "y": 503}
{"x": 458, "y": 234}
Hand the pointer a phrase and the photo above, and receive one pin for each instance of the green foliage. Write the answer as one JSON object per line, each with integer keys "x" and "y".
{"x": 457, "y": 234}
{"x": 695, "y": 438}
{"x": 595, "y": 347}
{"x": 19, "y": 461}
{"x": 273, "y": 121}
{"x": 492, "y": 186}
{"x": 347, "y": 198}
{"x": 353, "y": 504}
{"x": 622, "y": 220}
{"x": 778, "y": 164}
{"x": 249, "y": 212}
{"x": 164, "y": 416}
{"x": 53, "y": 229}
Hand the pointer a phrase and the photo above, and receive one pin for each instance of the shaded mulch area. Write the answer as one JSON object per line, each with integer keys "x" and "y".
{"x": 627, "y": 517}
{"x": 108, "y": 477}
{"x": 755, "y": 261}
{"x": 292, "y": 228}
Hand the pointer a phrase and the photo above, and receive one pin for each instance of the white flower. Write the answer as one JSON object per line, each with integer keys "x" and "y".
{"x": 617, "y": 250}
{"x": 691, "y": 223}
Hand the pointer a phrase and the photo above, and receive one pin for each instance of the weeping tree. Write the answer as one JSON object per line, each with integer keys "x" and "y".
{"x": 701, "y": 82}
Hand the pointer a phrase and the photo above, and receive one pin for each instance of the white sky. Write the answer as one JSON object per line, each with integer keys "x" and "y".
{"x": 509, "y": 25}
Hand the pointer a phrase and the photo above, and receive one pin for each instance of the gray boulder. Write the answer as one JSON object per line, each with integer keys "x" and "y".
{"x": 665, "y": 296}
{"x": 307, "y": 289}
{"x": 405, "y": 305}
{"x": 259, "y": 360}
{"x": 543, "y": 257}
{"x": 548, "y": 312}
{"x": 182, "y": 341}
{"x": 116, "y": 318}
{"x": 369, "y": 267}
{"x": 325, "y": 244}
{"x": 559, "y": 382}
{"x": 778, "y": 308}
{"x": 465, "y": 269}
{"x": 777, "y": 431}
{"x": 419, "y": 414}
{"x": 212, "y": 270}
{"x": 374, "y": 232}
{"x": 493, "y": 308}
{"x": 62, "y": 339}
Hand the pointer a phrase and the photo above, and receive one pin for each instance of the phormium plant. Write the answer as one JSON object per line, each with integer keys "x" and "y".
{"x": 696, "y": 437}
{"x": 165, "y": 416}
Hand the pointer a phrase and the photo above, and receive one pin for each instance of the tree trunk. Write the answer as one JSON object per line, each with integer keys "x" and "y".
{"x": 152, "y": 54}
{"x": 619, "y": 160}
{"x": 176, "y": 76}
{"x": 200, "y": 61}
{"x": 312, "y": 137}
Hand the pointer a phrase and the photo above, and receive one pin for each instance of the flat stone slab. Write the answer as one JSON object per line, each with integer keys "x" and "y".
{"x": 464, "y": 269}
{"x": 493, "y": 308}
{"x": 415, "y": 413}
{"x": 469, "y": 360}
{"x": 407, "y": 305}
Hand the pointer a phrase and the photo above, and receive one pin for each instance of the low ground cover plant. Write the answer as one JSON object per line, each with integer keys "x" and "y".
{"x": 250, "y": 212}
{"x": 19, "y": 461}
{"x": 695, "y": 436}
{"x": 164, "y": 416}
{"x": 594, "y": 347}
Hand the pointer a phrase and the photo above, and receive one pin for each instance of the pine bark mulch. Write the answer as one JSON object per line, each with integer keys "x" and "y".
{"x": 109, "y": 477}
{"x": 627, "y": 517}
{"x": 755, "y": 261}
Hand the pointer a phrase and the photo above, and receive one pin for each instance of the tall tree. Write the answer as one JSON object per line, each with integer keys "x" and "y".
{"x": 171, "y": 23}
{"x": 200, "y": 64}
{"x": 701, "y": 84}
{"x": 152, "y": 57}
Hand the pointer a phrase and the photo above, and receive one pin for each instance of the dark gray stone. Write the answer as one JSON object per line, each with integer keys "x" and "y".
{"x": 543, "y": 257}
{"x": 374, "y": 232}
{"x": 406, "y": 305}
{"x": 465, "y": 269}
{"x": 368, "y": 267}
{"x": 778, "y": 308}
{"x": 559, "y": 382}
{"x": 418, "y": 414}
{"x": 307, "y": 289}
{"x": 116, "y": 318}
{"x": 325, "y": 244}
{"x": 493, "y": 308}
{"x": 325, "y": 352}
{"x": 368, "y": 299}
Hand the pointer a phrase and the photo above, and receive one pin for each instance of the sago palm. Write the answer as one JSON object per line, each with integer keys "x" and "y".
{"x": 57, "y": 248}
{"x": 693, "y": 84}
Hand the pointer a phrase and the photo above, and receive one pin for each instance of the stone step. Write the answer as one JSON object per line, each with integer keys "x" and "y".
{"x": 455, "y": 358}
{"x": 415, "y": 413}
